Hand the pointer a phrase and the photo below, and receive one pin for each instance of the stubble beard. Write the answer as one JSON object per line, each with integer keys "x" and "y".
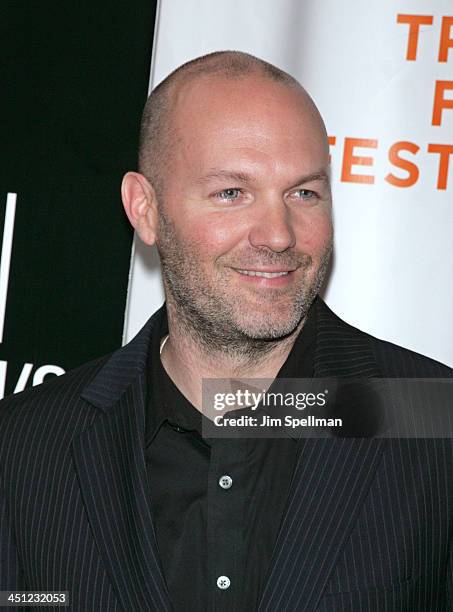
{"x": 214, "y": 316}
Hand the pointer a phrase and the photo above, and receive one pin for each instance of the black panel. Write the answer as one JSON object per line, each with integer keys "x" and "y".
{"x": 75, "y": 78}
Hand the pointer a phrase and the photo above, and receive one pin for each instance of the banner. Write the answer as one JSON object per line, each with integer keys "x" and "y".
{"x": 382, "y": 77}
{"x": 74, "y": 83}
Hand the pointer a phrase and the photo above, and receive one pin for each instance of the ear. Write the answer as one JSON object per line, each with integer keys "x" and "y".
{"x": 140, "y": 203}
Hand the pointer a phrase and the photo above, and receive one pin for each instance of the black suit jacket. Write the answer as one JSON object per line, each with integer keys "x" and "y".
{"x": 368, "y": 523}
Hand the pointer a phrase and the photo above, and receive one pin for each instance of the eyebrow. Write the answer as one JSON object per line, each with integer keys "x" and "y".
{"x": 240, "y": 177}
{"x": 243, "y": 177}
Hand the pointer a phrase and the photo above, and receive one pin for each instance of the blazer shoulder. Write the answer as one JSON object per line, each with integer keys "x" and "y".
{"x": 65, "y": 398}
{"x": 397, "y": 361}
{"x": 393, "y": 360}
{"x": 58, "y": 391}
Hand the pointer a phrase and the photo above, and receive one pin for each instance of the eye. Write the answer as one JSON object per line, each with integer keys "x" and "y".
{"x": 230, "y": 194}
{"x": 305, "y": 194}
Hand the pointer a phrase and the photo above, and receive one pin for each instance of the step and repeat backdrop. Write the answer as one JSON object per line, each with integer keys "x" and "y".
{"x": 76, "y": 79}
{"x": 381, "y": 74}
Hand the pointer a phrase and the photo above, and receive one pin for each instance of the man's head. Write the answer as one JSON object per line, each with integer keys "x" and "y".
{"x": 234, "y": 190}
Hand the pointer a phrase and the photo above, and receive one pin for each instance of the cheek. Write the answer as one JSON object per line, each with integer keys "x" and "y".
{"x": 315, "y": 234}
{"x": 215, "y": 235}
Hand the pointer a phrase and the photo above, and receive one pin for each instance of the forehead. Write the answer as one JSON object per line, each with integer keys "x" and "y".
{"x": 215, "y": 116}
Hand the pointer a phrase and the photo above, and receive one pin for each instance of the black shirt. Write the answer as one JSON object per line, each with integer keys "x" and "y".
{"x": 217, "y": 504}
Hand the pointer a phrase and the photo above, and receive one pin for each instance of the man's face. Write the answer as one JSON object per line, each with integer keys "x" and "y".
{"x": 245, "y": 219}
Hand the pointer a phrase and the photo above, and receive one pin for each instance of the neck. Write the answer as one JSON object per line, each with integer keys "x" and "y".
{"x": 187, "y": 359}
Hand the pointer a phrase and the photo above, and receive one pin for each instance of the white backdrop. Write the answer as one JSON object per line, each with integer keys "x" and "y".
{"x": 393, "y": 263}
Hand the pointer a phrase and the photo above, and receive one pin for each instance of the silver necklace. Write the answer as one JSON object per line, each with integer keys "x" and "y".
{"x": 162, "y": 343}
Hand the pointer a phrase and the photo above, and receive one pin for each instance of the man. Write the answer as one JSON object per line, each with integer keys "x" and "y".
{"x": 109, "y": 490}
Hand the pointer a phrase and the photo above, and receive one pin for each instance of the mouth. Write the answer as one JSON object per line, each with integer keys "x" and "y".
{"x": 263, "y": 274}
{"x": 267, "y": 278}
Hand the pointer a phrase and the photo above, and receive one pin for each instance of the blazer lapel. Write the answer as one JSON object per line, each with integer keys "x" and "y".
{"x": 110, "y": 463}
{"x": 330, "y": 482}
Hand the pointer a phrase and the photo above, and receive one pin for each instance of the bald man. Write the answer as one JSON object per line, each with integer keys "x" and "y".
{"x": 109, "y": 488}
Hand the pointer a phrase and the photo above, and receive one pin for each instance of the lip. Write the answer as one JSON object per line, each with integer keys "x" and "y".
{"x": 268, "y": 270}
{"x": 285, "y": 278}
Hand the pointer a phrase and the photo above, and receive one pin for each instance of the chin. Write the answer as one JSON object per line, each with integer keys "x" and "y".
{"x": 266, "y": 329}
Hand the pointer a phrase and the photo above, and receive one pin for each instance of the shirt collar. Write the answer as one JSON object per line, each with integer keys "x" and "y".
{"x": 165, "y": 403}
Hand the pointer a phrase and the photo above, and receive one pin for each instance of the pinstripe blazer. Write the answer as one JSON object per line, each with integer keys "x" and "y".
{"x": 367, "y": 526}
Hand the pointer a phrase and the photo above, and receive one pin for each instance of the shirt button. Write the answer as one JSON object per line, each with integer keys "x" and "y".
{"x": 225, "y": 481}
{"x": 223, "y": 582}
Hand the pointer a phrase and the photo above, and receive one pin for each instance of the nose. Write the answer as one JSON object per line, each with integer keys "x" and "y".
{"x": 273, "y": 227}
